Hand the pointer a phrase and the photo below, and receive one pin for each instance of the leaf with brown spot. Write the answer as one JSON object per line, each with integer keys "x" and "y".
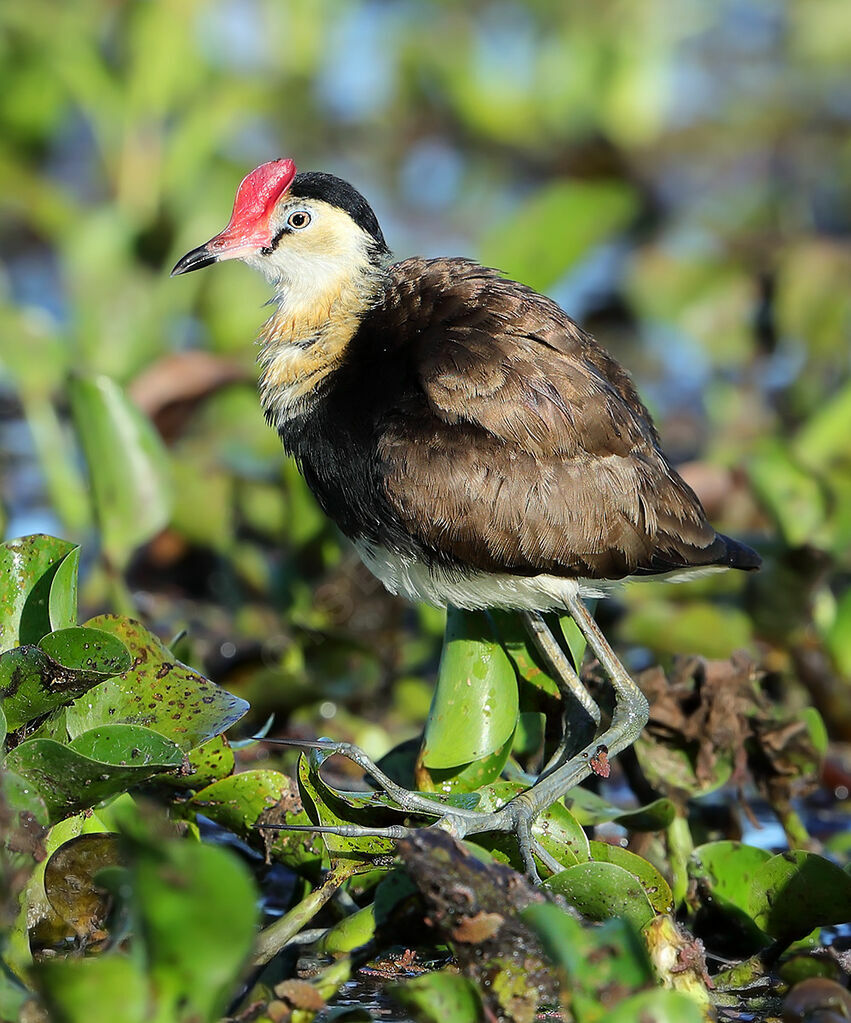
{"x": 156, "y": 692}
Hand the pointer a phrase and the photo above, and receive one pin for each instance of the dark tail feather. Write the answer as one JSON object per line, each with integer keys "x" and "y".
{"x": 739, "y": 555}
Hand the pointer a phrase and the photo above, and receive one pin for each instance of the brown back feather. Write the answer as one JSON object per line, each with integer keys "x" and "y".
{"x": 527, "y": 449}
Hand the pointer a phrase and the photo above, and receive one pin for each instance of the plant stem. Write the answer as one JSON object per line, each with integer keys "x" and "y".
{"x": 272, "y": 939}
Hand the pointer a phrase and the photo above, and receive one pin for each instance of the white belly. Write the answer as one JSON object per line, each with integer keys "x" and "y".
{"x": 433, "y": 584}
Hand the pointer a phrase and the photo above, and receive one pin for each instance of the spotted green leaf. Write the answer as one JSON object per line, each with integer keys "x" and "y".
{"x": 97, "y": 764}
{"x": 156, "y": 692}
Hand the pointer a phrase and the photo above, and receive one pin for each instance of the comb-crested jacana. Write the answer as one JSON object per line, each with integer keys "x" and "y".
{"x": 478, "y": 447}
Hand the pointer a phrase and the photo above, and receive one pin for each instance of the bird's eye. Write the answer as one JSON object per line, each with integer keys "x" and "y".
{"x": 298, "y": 219}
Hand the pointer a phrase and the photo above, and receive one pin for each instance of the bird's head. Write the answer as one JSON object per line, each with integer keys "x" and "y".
{"x": 307, "y": 233}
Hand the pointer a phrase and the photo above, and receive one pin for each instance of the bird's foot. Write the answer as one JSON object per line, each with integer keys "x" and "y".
{"x": 509, "y": 808}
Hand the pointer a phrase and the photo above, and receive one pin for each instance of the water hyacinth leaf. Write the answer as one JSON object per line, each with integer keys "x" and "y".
{"x": 724, "y": 872}
{"x": 556, "y": 829}
{"x": 97, "y": 653}
{"x": 156, "y": 692}
{"x": 590, "y": 809}
{"x": 197, "y": 908}
{"x": 601, "y": 891}
{"x": 440, "y": 997}
{"x": 97, "y": 764}
{"x": 13, "y": 996}
{"x": 205, "y": 764}
{"x": 127, "y": 745}
{"x": 673, "y": 768}
{"x": 467, "y": 778}
{"x": 795, "y": 892}
{"x": 575, "y": 640}
{"x": 3, "y": 730}
{"x": 656, "y": 888}
{"x": 20, "y": 795}
{"x": 728, "y": 869}
{"x": 127, "y": 463}
{"x": 351, "y": 932}
{"x": 62, "y": 601}
{"x": 32, "y": 683}
{"x": 475, "y": 704}
{"x": 580, "y": 214}
{"x": 28, "y": 567}
{"x": 244, "y": 802}
{"x": 657, "y": 1007}
{"x": 522, "y": 653}
{"x": 314, "y": 793}
{"x": 98, "y": 989}
{"x": 69, "y": 881}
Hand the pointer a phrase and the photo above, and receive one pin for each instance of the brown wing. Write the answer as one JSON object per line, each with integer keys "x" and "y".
{"x": 527, "y": 449}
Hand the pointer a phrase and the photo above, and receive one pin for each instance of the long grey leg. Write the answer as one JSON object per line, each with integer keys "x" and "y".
{"x": 575, "y": 727}
{"x": 562, "y": 670}
{"x": 629, "y": 718}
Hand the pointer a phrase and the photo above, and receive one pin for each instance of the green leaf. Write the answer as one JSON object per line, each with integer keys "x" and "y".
{"x": 440, "y": 997}
{"x": 525, "y": 659}
{"x": 157, "y": 692}
{"x": 204, "y": 765}
{"x": 795, "y": 892}
{"x": 93, "y": 651}
{"x": 575, "y": 639}
{"x": 601, "y": 891}
{"x": 127, "y": 463}
{"x": 728, "y": 869}
{"x": 322, "y": 805}
{"x": 570, "y": 216}
{"x": 590, "y": 809}
{"x": 100, "y": 989}
{"x": 245, "y": 802}
{"x": 62, "y": 602}
{"x": 97, "y": 764}
{"x": 474, "y": 709}
{"x": 197, "y": 908}
{"x": 467, "y": 777}
{"x": 32, "y": 683}
{"x": 13, "y": 995}
{"x": 28, "y": 567}
{"x": 657, "y": 1007}
{"x": 351, "y": 932}
{"x": 725, "y": 872}
{"x": 656, "y": 888}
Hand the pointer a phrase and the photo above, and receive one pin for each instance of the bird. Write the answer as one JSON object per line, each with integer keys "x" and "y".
{"x": 477, "y": 446}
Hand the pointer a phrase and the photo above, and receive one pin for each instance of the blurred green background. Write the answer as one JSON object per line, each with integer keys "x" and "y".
{"x": 677, "y": 174}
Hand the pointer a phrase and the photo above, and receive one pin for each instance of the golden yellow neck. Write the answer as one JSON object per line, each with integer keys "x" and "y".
{"x": 305, "y": 338}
